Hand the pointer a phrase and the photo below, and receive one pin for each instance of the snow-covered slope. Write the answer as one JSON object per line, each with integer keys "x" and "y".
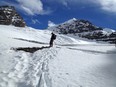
{"x": 18, "y": 37}
{"x": 70, "y": 63}
{"x": 108, "y": 31}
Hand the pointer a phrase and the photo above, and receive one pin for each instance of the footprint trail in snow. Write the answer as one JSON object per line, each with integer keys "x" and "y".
{"x": 30, "y": 70}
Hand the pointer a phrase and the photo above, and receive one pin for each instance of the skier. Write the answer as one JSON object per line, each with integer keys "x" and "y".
{"x": 53, "y": 37}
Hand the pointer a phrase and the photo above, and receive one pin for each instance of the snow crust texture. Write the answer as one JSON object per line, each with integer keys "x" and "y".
{"x": 71, "y": 62}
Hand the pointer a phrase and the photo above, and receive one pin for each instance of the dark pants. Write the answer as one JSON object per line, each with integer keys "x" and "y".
{"x": 51, "y": 43}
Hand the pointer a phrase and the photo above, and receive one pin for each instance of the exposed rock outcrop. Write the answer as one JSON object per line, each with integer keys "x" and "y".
{"x": 9, "y": 16}
{"x": 85, "y": 29}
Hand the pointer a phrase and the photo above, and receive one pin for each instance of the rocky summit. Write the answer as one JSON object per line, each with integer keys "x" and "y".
{"x": 9, "y": 16}
{"x": 85, "y": 29}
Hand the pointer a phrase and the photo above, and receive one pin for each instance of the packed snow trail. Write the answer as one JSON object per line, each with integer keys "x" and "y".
{"x": 28, "y": 70}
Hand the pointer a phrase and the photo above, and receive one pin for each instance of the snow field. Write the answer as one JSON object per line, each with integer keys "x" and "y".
{"x": 70, "y": 63}
{"x": 80, "y": 68}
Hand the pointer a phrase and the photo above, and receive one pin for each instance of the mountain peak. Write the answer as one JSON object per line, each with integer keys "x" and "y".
{"x": 85, "y": 29}
{"x": 76, "y": 26}
{"x": 71, "y": 20}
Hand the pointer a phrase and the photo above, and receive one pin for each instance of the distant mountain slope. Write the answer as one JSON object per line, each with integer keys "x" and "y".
{"x": 85, "y": 29}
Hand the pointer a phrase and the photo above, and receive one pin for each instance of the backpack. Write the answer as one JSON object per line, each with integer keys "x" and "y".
{"x": 54, "y": 37}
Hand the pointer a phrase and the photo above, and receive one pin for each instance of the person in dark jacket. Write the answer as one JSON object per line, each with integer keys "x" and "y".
{"x": 115, "y": 42}
{"x": 53, "y": 37}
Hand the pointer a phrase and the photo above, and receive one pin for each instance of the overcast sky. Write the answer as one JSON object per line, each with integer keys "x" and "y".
{"x": 38, "y": 13}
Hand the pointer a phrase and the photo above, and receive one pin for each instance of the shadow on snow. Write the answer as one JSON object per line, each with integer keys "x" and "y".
{"x": 30, "y": 50}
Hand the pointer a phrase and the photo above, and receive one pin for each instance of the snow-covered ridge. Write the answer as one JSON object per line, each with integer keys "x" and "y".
{"x": 108, "y": 31}
{"x": 18, "y": 37}
{"x": 70, "y": 21}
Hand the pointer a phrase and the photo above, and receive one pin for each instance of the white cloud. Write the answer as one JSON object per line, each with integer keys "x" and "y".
{"x": 51, "y": 24}
{"x": 32, "y": 7}
{"x": 35, "y": 21}
{"x": 105, "y": 5}
{"x": 108, "y": 5}
{"x": 65, "y": 4}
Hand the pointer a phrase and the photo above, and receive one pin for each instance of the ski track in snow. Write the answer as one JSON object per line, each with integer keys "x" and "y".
{"x": 30, "y": 70}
